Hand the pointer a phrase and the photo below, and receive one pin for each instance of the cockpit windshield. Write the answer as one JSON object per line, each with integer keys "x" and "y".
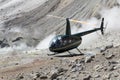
{"x": 55, "y": 41}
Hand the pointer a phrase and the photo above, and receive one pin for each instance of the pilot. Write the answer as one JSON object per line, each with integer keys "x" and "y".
{"x": 58, "y": 43}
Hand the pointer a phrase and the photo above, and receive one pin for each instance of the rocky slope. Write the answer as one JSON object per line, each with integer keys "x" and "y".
{"x": 103, "y": 66}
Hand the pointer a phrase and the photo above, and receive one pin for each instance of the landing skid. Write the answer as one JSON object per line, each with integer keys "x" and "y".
{"x": 79, "y": 51}
{"x": 55, "y": 53}
{"x": 70, "y": 53}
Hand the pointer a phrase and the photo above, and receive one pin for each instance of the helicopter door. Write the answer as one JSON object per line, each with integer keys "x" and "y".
{"x": 66, "y": 41}
{"x": 69, "y": 40}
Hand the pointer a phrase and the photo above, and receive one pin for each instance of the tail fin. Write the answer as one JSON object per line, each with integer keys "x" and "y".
{"x": 102, "y": 26}
{"x": 68, "y": 29}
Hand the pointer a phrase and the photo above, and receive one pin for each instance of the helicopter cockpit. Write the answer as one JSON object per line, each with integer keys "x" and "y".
{"x": 56, "y": 42}
{"x": 61, "y": 41}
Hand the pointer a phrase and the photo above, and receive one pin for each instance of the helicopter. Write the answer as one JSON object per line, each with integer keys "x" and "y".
{"x": 63, "y": 43}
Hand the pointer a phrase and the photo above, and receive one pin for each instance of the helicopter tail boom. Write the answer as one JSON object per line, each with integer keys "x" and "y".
{"x": 93, "y": 30}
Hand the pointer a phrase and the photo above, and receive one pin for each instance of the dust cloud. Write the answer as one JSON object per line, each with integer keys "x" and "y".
{"x": 112, "y": 16}
{"x": 111, "y": 23}
{"x": 44, "y": 44}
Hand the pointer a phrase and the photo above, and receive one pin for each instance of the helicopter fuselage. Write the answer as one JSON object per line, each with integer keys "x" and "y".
{"x": 62, "y": 43}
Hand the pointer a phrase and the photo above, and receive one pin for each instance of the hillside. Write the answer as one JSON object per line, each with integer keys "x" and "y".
{"x": 28, "y": 19}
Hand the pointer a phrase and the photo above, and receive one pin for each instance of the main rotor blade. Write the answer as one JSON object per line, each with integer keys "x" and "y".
{"x": 56, "y": 17}
{"x": 72, "y": 20}
{"x": 82, "y": 22}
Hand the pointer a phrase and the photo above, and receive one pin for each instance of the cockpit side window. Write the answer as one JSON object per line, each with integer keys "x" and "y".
{"x": 68, "y": 40}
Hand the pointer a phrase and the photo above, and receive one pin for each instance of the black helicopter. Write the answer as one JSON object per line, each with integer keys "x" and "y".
{"x": 62, "y": 43}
